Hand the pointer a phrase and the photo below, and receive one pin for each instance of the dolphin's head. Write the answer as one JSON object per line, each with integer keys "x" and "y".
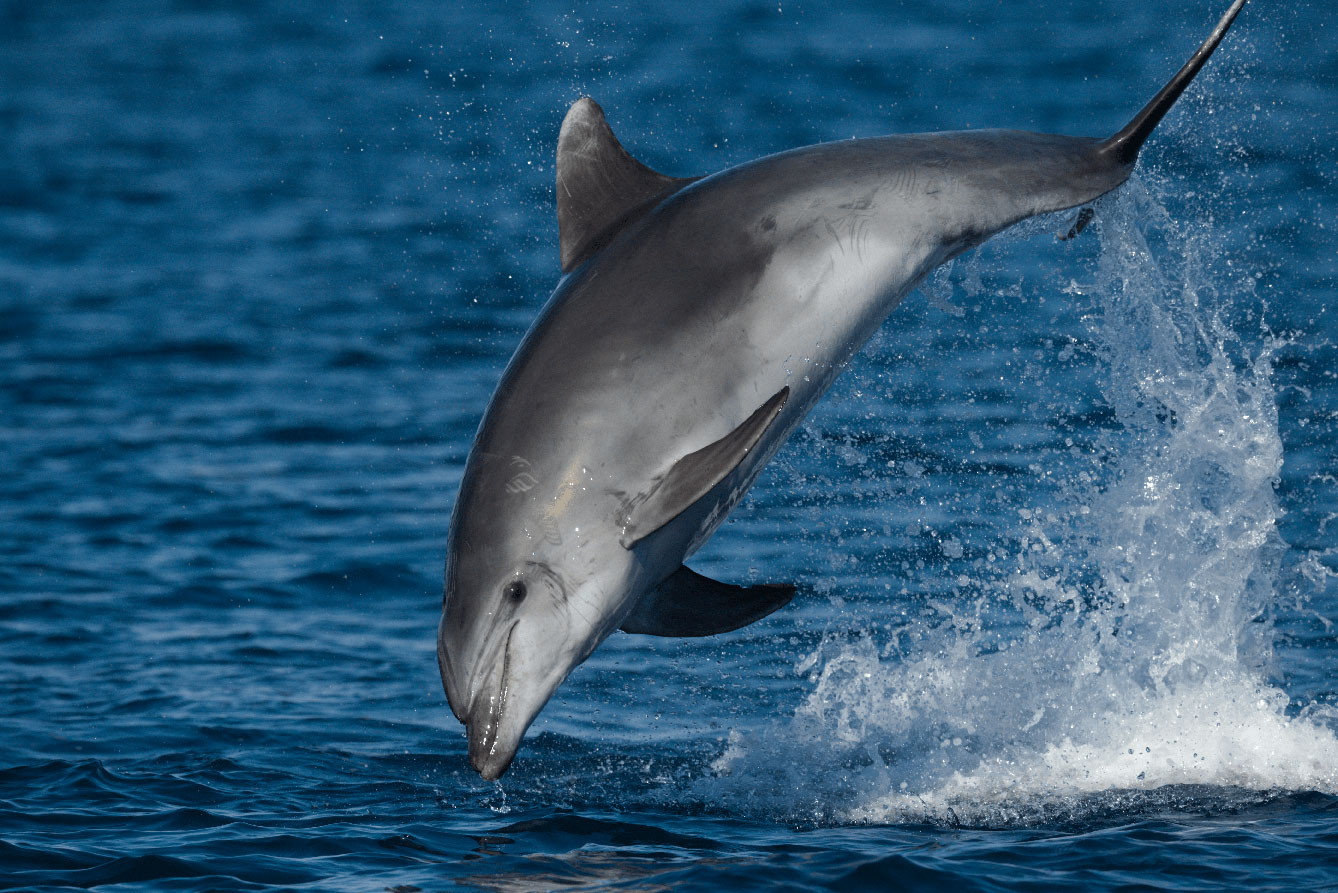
{"x": 519, "y": 613}
{"x": 504, "y": 644}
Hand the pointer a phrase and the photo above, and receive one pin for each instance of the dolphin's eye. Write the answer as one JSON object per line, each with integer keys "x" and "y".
{"x": 514, "y": 591}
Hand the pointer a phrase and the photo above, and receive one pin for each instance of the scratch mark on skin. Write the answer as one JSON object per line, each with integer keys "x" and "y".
{"x": 552, "y": 535}
{"x": 905, "y": 181}
{"x": 862, "y": 204}
{"x": 522, "y": 481}
{"x": 581, "y": 610}
{"x": 836, "y": 237}
{"x": 859, "y": 236}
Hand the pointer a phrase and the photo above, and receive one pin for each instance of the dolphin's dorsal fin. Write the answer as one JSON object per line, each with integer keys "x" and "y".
{"x": 600, "y": 188}
{"x": 688, "y": 604}
{"x": 693, "y": 476}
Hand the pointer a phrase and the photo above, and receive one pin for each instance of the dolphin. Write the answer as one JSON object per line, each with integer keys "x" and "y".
{"x": 699, "y": 319}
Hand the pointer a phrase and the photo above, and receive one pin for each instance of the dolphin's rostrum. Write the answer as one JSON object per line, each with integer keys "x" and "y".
{"x": 699, "y": 321}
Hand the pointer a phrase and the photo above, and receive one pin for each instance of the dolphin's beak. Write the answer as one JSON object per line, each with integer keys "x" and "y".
{"x": 490, "y": 752}
{"x": 480, "y": 703}
{"x": 499, "y": 689}
{"x": 517, "y": 685}
{"x": 492, "y": 744}
{"x": 456, "y": 692}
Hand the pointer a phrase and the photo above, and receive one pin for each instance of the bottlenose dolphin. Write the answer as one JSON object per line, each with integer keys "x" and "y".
{"x": 699, "y": 320}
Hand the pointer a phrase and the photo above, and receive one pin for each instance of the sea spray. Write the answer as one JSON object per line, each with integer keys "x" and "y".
{"x": 1119, "y": 640}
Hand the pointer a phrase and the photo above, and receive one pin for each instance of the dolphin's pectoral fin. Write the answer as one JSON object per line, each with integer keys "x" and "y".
{"x": 693, "y": 476}
{"x": 600, "y": 188}
{"x": 1079, "y": 224}
{"x": 688, "y": 604}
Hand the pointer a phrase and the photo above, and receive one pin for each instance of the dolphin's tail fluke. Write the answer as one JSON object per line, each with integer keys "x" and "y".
{"x": 1123, "y": 147}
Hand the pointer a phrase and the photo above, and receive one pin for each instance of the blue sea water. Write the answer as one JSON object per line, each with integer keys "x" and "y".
{"x": 1064, "y": 534}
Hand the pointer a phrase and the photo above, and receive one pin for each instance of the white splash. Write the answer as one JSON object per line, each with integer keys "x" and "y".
{"x": 1124, "y": 643}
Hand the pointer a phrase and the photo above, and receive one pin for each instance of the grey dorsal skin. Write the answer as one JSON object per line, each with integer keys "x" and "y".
{"x": 699, "y": 321}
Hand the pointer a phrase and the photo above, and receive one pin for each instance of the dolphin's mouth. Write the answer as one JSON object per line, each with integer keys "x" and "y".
{"x": 483, "y": 723}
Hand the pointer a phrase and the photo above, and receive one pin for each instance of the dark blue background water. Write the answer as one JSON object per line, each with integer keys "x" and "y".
{"x": 1063, "y": 535}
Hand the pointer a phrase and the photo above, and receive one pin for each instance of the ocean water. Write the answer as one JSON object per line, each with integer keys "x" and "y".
{"x": 1065, "y": 533}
